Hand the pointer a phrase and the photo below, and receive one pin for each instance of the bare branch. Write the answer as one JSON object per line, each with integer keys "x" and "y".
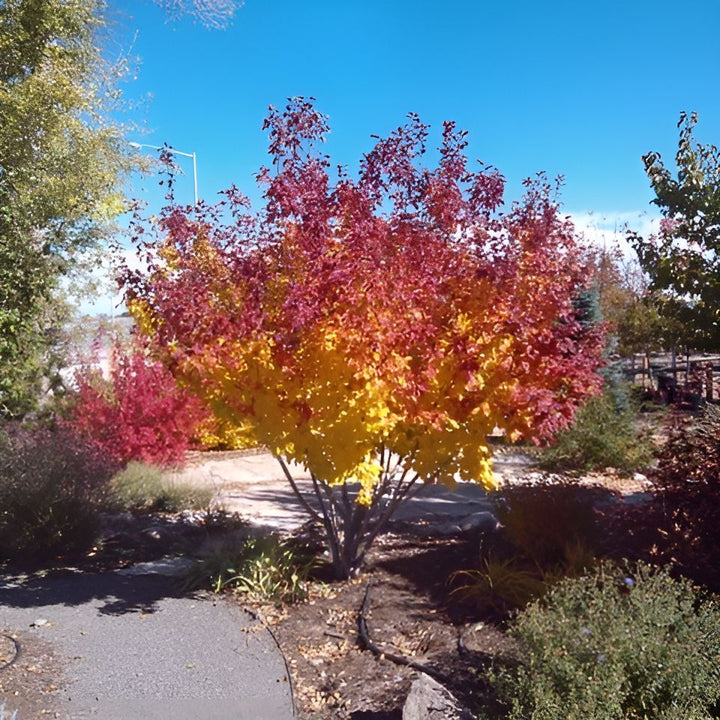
{"x": 367, "y": 642}
{"x": 213, "y": 14}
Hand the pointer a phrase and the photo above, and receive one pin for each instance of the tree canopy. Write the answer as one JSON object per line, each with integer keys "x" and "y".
{"x": 683, "y": 260}
{"x": 631, "y": 311}
{"x": 375, "y": 330}
{"x": 62, "y": 161}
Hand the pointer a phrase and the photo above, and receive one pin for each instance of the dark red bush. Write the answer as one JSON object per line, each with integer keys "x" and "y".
{"x": 687, "y": 482}
{"x": 138, "y": 413}
{"x": 680, "y": 525}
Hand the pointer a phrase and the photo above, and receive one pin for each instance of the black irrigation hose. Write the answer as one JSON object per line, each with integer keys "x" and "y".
{"x": 16, "y": 656}
{"x": 368, "y": 644}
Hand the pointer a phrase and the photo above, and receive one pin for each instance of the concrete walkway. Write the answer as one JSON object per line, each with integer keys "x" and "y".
{"x": 253, "y": 485}
{"x": 133, "y": 648}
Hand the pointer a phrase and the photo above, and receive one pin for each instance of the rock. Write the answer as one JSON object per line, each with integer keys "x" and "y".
{"x": 484, "y": 521}
{"x": 442, "y": 529}
{"x": 171, "y": 567}
{"x": 429, "y": 700}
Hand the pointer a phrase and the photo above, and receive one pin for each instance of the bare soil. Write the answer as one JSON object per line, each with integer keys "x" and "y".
{"x": 28, "y": 679}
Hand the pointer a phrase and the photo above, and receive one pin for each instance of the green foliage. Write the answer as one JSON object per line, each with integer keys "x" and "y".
{"x": 601, "y": 436}
{"x": 681, "y": 260}
{"x": 147, "y": 488}
{"x": 52, "y": 491}
{"x": 263, "y": 568}
{"x": 620, "y": 643}
{"x": 548, "y": 521}
{"x": 62, "y": 163}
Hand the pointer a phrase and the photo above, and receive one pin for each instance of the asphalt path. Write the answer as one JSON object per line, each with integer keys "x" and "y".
{"x": 134, "y": 648}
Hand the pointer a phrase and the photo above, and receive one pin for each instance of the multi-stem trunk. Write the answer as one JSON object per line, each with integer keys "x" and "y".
{"x": 351, "y": 527}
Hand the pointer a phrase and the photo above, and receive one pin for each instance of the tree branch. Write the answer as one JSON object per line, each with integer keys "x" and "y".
{"x": 309, "y": 508}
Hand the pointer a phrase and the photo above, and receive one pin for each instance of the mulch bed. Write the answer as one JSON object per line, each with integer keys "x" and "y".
{"x": 29, "y": 678}
{"x": 408, "y": 616}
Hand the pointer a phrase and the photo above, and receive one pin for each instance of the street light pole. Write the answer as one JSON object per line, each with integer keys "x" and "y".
{"x": 173, "y": 151}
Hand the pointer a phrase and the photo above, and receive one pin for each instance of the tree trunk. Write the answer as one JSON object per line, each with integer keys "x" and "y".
{"x": 350, "y": 528}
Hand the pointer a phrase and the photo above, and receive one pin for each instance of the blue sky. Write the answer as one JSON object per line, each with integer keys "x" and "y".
{"x": 572, "y": 88}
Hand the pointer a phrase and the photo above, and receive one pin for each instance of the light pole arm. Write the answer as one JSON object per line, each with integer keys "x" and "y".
{"x": 173, "y": 151}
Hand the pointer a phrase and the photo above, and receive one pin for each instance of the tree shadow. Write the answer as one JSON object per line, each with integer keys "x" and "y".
{"x": 100, "y": 575}
{"x": 111, "y": 593}
{"x": 543, "y": 526}
{"x": 270, "y": 507}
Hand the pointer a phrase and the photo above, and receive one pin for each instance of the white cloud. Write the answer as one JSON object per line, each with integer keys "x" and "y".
{"x": 608, "y": 229}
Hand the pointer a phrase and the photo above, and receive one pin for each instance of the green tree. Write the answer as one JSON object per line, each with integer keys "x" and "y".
{"x": 682, "y": 259}
{"x": 62, "y": 163}
{"x": 626, "y": 302}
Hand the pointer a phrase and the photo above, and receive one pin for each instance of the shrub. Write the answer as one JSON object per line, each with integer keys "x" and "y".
{"x": 139, "y": 413}
{"x": 601, "y": 436}
{"x": 687, "y": 485}
{"x": 264, "y": 568}
{"x": 622, "y": 642}
{"x": 549, "y": 532}
{"x": 548, "y": 520}
{"x": 53, "y": 487}
{"x": 146, "y": 488}
{"x": 690, "y": 460}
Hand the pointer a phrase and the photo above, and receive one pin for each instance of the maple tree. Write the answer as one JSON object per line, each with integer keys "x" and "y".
{"x": 374, "y": 330}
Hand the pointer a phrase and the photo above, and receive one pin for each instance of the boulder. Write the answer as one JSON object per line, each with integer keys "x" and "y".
{"x": 482, "y": 521}
{"x": 429, "y": 700}
{"x": 168, "y": 566}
